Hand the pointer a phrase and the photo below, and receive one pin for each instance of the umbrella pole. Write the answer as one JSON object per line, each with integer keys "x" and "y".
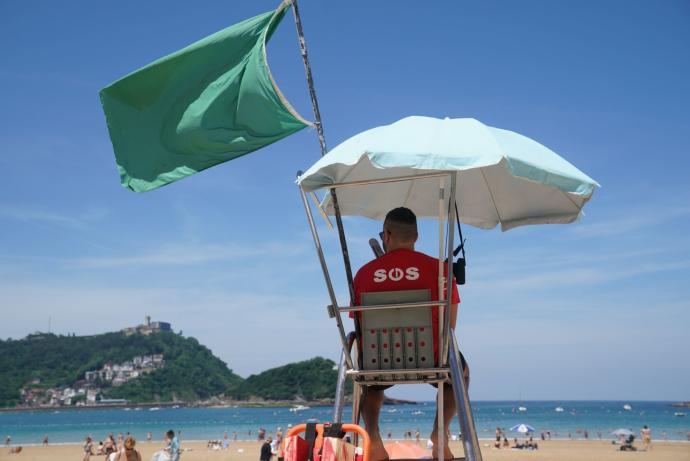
{"x": 322, "y": 144}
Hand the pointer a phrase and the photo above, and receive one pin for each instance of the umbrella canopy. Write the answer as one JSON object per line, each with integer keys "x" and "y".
{"x": 406, "y": 450}
{"x": 522, "y": 428}
{"x": 502, "y": 177}
{"x": 622, "y": 432}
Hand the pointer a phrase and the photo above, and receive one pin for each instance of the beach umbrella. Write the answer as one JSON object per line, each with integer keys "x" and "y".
{"x": 502, "y": 177}
{"x": 406, "y": 450}
{"x": 622, "y": 432}
{"x": 522, "y": 428}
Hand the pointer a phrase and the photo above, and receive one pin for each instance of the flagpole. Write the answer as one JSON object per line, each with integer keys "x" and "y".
{"x": 322, "y": 143}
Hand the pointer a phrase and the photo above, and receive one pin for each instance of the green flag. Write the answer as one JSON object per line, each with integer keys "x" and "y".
{"x": 208, "y": 103}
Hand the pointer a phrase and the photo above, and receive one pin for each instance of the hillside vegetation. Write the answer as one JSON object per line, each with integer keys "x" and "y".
{"x": 191, "y": 372}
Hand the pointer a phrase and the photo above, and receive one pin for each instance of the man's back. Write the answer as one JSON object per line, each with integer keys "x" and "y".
{"x": 401, "y": 270}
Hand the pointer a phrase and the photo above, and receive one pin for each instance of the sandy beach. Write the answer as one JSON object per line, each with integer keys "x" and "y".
{"x": 550, "y": 450}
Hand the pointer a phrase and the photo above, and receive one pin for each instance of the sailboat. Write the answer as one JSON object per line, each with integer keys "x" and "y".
{"x": 521, "y": 408}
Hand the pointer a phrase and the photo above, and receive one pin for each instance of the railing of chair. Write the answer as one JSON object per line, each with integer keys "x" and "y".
{"x": 391, "y": 306}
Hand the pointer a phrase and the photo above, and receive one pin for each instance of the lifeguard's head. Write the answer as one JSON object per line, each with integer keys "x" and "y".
{"x": 399, "y": 229}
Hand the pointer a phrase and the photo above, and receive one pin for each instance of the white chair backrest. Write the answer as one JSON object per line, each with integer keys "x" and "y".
{"x": 400, "y": 338}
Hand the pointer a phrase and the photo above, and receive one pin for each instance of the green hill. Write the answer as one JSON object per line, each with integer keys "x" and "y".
{"x": 46, "y": 361}
{"x": 313, "y": 379}
{"x": 36, "y": 369}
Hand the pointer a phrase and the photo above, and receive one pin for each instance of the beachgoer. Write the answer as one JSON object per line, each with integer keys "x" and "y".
{"x": 261, "y": 434}
{"x": 120, "y": 441}
{"x": 16, "y": 450}
{"x": 646, "y": 434}
{"x": 88, "y": 448}
{"x": 498, "y": 434}
{"x": 417, "y": 435}
{"x": 390, "y": 435}
{"x": 410, "y": 270}
{"x": 174, "y": 448}
{"x": 128, "y": 453}
{"x": 45, "y": 440}
{"x": 586, "y": 434}
{"x": 234, "y": 436}
{"x": 100, "y": 449}
{"x": 266, "y": 454}
{"x": 275, "y": 445}
{"x": 149, "y": 436}
{"x": 506, "y": 444}
{"x": 109, "y": 446}
{"x": 8, "y": 441}
{"x": 164, "y": 454}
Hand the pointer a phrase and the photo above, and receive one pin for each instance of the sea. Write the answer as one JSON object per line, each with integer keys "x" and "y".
{"x": 597, "y": 418}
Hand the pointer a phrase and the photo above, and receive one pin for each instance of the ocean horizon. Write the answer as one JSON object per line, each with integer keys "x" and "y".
{"x": 564, "y": 419}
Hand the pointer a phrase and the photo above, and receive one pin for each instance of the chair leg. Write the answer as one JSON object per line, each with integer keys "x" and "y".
{"x": 356, "y": 411}
{"x": 440, "y": 423}
{"x": 469, "y": 434}
{"x": 340, "y": 390}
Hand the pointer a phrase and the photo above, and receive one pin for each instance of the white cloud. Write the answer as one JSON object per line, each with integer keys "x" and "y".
{"x": 81, "y": 221}
{"x": 181, "y": 255}
{"x": 633, "y": 220}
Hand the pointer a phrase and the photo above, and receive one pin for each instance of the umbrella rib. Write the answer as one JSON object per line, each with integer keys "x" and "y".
{"x": 409, "y": 192}
{"x": 486, "y": 183}
{"x": 570, "y": 200}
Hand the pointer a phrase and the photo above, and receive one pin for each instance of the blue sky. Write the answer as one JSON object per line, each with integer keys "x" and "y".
{"x": 599, "y": 309}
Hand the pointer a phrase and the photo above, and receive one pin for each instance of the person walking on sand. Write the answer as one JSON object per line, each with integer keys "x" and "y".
{"x": 646, "y": 434}
{"x": 266, "y": 454}
{"x": 45, "y": 440}
{"x": 88, "y": 448}
{"x": 174, "y": 445}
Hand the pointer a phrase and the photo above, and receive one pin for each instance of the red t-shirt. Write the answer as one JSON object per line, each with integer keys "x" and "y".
{"x": 403, "y": 270}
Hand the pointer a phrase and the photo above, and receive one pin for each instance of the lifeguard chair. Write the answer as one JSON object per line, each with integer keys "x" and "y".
{"x": 494, "y": 176}
{"x": 394, "y": 342}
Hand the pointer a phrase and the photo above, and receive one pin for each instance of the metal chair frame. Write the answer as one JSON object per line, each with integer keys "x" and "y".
{"x": 449, "y": 366}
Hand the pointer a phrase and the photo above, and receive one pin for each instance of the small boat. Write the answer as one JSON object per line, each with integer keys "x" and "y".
{"x": 176, "y": 406}
{"x": 299, "y": 408}
{"x": 559, "y": 410}
{"x": 154, "y": 408}
{"x": 521, "y": 408}
{"x": 418, "y": 412}
{"x": 627, "y": 407}
{"x": 680, "y": 414}
{"x": 392, "y": 410}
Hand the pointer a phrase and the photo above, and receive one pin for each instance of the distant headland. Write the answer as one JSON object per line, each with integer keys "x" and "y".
{"x": 146, "y": 365}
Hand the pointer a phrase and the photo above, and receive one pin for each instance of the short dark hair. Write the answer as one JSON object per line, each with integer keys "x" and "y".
{"x": 401, "y": 222}
{"x": 170, "y": 433}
